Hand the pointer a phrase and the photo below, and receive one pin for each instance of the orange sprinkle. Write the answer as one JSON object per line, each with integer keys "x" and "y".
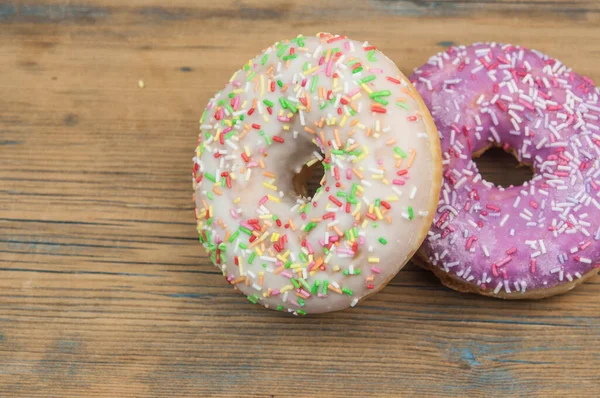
{"x": 352, "y": 147}
{"x": 357, "y": 173}
{"x": 279, "y": 270}
{"x": 336, "y": 134}
{"x": 292, "y": 226}
{"x": 322, "y": 135}
{"x": 354, "y": 123}
{"x": 369, "y": 132}
{"x": 269, "y": 72}
{"x": 268, "y": 174}
{"x": 284, "y": 88}
{"x": 411, "y": 158}
{"x": 335, "y": 289}
{"x": 238, "y": 280}
{"x": 405, "y": 91}
{"x": 247, "y": 282}
{"x": 260, "y": 279}
{"x": 309, "y": 130}
{"x": 261, "y": 163}
{"x": 337, "y": 231}
{"x": 217, "y": 191}
{"x": 390, "y": 142}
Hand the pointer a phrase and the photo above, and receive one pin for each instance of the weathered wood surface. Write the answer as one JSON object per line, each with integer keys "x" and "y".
{"x": 104, "y": 290}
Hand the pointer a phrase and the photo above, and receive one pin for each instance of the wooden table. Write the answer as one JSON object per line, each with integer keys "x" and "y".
{"x": 104, "y": 289}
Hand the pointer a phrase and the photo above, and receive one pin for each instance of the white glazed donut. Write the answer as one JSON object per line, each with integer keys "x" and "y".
{"x": 321, "y": 99}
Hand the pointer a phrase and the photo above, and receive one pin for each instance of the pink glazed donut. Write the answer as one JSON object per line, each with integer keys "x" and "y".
{"x": 529, "y": 241}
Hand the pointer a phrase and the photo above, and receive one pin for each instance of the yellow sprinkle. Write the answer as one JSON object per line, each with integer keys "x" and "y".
{"x": 273, "y": 198}
{"x": 357, "y": 209}
{"x": 393, "y": 198}
{"x": 262, "y": 85}
{"x": 286, "y": 127}
{"x": 312, "y": 70}
{"x": 378, "y": 212}
{"x": 366, "y": 88}
{"x": 286, "y": 254}
{"x": 356, "y": 96}
{"x": 312, "y": 161}
{"x": 269, "y": 186}
{"x": 365, "y": 223}
{"x": 373, "y": 259}
{"x": 236, "y": 200}
{"x": 286, "y": 288}
{"x": 274, "y": 237}
{"x": 336, "y": 268}
{"x": 343, "y": 121}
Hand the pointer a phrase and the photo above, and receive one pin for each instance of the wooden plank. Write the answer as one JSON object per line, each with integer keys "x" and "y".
{"x": 104, "y": 290}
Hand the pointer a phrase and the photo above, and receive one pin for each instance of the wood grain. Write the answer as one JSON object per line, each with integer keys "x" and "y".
{"x": 104, "y": 290}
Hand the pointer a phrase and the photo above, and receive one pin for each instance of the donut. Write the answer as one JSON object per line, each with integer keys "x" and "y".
{"x": 316, "y": 99}
{"x": 530, "y": 241}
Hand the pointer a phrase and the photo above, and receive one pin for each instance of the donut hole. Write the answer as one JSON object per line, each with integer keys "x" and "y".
{"x": 308, "y": 180}
{"x": 502, "y": 168}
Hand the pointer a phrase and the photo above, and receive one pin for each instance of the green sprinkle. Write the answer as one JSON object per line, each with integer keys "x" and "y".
{"x": 264, "y": 265}
{"x": 347, "y": 291}
{"x": 402, "y": 105}
{"x": 288, "y": 57}
{"x": 382, "y": 241}
{"x": 264, "y": 59}
{"x": 341, "y": 194}
{"x": 268, "y": 103}
{"x": 210, "y": 220}
{"x": 253, "y": 299}
{"x": 210, "y": 177}
{"x": 367, "y": 79}
{"x": 251, "y": 258}
{"x": 382, "y": 93}
{"x": 355, "y": 232}
{"x": 295, "y": 283}
{"x": 210, "y": 195}
{"x": 411, "y": 214}
{"x": 281, "y": 51}
{"x": 310, "y": 226}
{"x": 371, "y": 56}
{"x": 301, "y": 302}
{"x": 400, "y": 152}
{"x": 381, "y": 101}
{"x": 359, "y": 69}
{"x": 303, "y": 257}
{"x": 292, "y": 107}
{"x": 305, "y": 284}
{"x": 301, "y": 312}
{"x": 283, "y": 102}
{"x": 288, "y": 264}
{"x": 250, "y": 76}
{"x": 201, "y": 238}
{"x": 280, "y": 308}
{"x": 305, "y": 67}
{"x": 279, "y": 83}
{"x": 203, "y": 118}
{"x": 378, "y": 202}
{"x": 352, "y": 200}
{"x": 324, "y": 287}
{"x": 347, "y": 233}
{"x": 315, "y": 288}
{"x": 324, "y": 105}
{"x": 313, "y": 84}
{"x": 245, "y": 230}
{"x": 243, "y": 245}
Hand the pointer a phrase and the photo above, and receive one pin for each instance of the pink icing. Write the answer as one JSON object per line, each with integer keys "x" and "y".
{"x": 545, "y": 232}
